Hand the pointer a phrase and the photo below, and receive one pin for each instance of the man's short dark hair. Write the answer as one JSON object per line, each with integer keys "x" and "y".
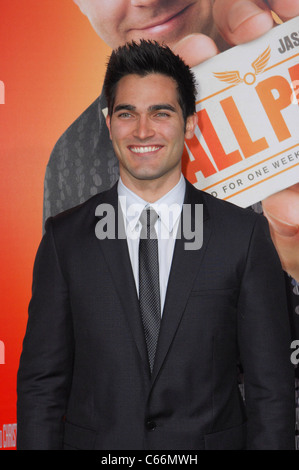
{"x": 144, "y": 58}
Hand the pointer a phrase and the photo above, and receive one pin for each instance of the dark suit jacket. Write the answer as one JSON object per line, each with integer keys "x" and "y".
{"x": 84, "y": 378}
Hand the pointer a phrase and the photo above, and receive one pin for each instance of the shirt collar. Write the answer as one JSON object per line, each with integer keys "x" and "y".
{"x": 168, "y": 207}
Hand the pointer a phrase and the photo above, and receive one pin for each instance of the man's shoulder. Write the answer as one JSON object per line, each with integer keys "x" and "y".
{"x": 228, "y": 208}
{"x": 231, "y": 222}
{"x": 221, "y": 209}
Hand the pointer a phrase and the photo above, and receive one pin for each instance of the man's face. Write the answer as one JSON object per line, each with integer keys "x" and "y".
{"x": 121, "y": 21}
{"x": 147, "y": 129}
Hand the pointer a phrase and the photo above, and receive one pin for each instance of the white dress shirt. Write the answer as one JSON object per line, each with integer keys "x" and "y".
{"x": 169, "y": 209}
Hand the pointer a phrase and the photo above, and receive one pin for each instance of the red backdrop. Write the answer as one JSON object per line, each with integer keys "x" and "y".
{"x": 51, "y": 64}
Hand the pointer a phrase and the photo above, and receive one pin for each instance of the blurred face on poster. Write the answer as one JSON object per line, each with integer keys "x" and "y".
{"x": 120, "y": 21}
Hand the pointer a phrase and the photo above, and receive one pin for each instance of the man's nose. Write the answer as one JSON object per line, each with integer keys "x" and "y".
{"x": 144, "y": 128}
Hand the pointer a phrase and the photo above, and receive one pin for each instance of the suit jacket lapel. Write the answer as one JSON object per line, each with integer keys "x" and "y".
{"x": 116, "y": 254}
{"x": 185, "y": 266}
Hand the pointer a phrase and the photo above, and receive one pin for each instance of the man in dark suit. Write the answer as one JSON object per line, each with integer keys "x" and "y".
{"x": 133, "y": 341}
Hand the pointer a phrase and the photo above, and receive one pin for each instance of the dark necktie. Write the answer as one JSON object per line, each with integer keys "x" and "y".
{"x": 149, "y": 286}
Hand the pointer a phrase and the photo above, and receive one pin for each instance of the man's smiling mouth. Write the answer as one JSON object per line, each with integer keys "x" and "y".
{"x": 145, "y": 149}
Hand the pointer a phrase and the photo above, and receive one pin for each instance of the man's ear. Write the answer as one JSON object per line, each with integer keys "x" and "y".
{"x": 108, "y": 122}
{"x": 191, "y": 124}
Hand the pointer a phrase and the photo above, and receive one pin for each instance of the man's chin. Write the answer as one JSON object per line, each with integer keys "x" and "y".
{"x": 146, "y": 176}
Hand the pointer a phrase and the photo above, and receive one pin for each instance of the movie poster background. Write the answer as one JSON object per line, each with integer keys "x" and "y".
{"x": 51, "y": 69}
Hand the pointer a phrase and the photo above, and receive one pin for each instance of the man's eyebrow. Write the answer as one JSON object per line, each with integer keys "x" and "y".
{"x": 154, "y": 107}
{"x": 127, "y": 107}
{"x": 157, "y": 107}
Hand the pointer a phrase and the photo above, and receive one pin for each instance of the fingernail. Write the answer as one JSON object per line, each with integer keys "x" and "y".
{"x": 280, "y": 226}
{"x": 240, "y": 12}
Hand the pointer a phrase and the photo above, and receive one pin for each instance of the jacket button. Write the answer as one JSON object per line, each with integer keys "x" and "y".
{"x": 151, "y": 425}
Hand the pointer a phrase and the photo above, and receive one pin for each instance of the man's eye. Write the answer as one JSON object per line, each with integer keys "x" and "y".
{"x": 124, "y": 115}
{"x": 162, "y": 114}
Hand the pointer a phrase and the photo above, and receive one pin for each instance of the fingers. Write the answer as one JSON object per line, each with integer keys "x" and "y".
{"x": 288, "y": 251}
{"x": 195, "y": 48}
{"x": 285, "y": 9}
{"x": 240, "y": 21}
{"x": 282, "y": 212}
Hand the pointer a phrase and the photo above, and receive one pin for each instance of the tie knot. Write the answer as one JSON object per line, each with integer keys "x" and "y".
{"x": 148, "y": 218}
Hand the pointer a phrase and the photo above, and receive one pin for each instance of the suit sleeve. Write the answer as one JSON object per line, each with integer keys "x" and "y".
{"x": 264, "y": 342}
{"x": 45, "y": 369}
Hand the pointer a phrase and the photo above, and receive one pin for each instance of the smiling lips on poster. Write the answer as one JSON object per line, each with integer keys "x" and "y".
{"x": 246, "y": 145}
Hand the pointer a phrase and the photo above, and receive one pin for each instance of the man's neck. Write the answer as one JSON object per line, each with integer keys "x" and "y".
{"x": 151, "y": 190}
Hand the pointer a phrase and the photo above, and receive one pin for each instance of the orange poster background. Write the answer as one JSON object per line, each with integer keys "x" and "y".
{"x": 52, "y": 65}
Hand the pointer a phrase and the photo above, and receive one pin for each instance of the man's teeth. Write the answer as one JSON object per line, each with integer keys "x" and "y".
{"x": 144, "y": 149}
